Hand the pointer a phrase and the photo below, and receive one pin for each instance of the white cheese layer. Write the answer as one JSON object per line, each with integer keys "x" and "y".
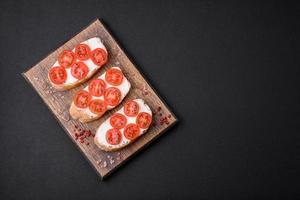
{"x": 105, "y": 126}
{"x": 94, "y": 43}
{"x": 124, "y": 88}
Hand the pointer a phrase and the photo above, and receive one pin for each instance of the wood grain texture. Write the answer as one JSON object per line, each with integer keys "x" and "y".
{"x": 59, "y": 102}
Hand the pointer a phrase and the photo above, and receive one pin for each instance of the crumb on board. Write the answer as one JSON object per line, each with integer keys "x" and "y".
{"x": 98, "y": 161}
{"x": 104, "y": 164}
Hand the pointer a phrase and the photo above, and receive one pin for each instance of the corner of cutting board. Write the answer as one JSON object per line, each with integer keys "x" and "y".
{"x": 25, "y": 76}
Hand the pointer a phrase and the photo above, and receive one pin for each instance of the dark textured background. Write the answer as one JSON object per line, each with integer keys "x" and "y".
{"x": 229, "y": 71}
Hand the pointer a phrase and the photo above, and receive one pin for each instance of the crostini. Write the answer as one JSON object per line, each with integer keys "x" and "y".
{"x": 102, "y": 94}
{"x": 124, "y": 126}
{"x": 76, "y": 66}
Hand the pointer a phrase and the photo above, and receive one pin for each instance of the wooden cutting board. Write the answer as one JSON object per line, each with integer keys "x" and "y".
{"x": 59, "y": 102}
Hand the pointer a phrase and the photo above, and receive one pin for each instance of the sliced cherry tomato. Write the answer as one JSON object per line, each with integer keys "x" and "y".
{"x": 66, "y": 58}
{"x": 58, "y": 75}
{"x": 114, "y": 76}
{"x": 97, "y": 106}
{"x": 113, "y": 136}
{"x": 82, "y": 51}
{"x": 131, "y": 131}
{"x": 97, "y": 87}
{"x": 99, "y": 56}
{"x": 112, "y": 96}
{"x": 82, "y": 99}
{"x": 118, "y": 121}
{"x": 131, "y": 108}
{"x": 79, "y": 70}
{"x": 143, "y": 120}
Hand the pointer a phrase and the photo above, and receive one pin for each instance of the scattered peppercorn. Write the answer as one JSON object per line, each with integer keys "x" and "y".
{"x": 82, "y": 134}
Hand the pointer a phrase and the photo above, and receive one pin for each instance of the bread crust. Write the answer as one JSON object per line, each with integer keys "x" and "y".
{"x": 81, "y": 115}
{"x": 106, "y": 148}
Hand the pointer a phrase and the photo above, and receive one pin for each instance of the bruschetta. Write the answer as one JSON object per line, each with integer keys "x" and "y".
{"x": 124, "y": 126}
{"x": 76, "y": 66}
{"x": 102, "y": 94}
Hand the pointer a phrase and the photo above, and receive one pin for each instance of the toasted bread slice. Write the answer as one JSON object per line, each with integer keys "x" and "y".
{"x": 68, "y": 80}
{"x": 116, "y": 134}
{"x": 86, "y": 114}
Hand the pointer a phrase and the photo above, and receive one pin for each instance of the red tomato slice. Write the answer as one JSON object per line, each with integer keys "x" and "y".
{"x": 58, "y": 75}
{"x": 82, "y": 51}
{"x": 97, "y": 87}
{"x": 99, "y": 56}
{"x": 112, "y": 96}
{"x": 97, "y": 106}
{"x": 66, "y": 58}
{"x": 131, "y": 131}
{"x": 113, "y": 136}
{"x": 118, "y": 121}
{"x": 82, "y": 99}
{"x": 79, "y": 70}
{"x": 114, "y": 76}
{"x": 131, "y": 108}
{"x": 144, "y": 120}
